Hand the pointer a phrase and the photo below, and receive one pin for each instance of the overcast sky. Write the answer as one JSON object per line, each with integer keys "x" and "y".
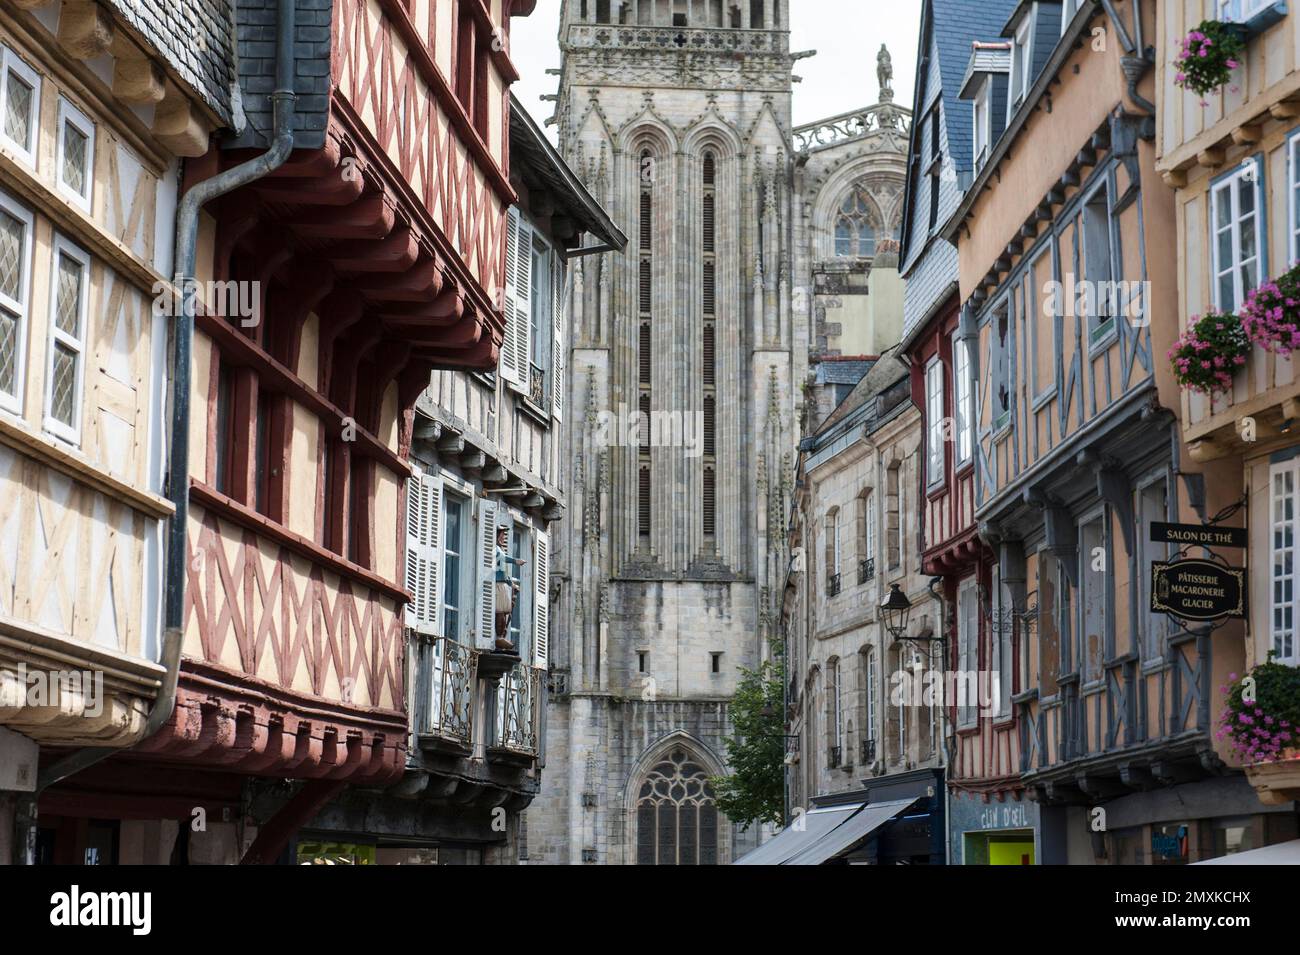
{"x": 842, "y": 76}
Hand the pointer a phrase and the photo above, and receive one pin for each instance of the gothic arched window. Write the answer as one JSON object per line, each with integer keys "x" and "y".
{"x": 855, "y": 237}
{"x": 676, "y": 819}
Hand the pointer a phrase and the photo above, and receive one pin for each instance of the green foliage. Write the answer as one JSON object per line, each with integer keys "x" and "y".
{"x": 1208, "y": 56}
{"x": 755, "y": 791}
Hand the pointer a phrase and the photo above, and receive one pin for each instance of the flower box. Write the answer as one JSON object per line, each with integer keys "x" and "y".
{"x": 1276, "y": 782}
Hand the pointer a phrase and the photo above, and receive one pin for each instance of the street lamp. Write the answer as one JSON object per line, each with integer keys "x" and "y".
{"x": 895, "y": 611}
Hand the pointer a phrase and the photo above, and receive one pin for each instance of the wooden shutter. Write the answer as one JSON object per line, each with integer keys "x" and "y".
{"x": 643, "y": 353}
{"x": 560, "y": 298}
{"x": 708, "y": 223}
{"x": 710, "y": 288}
{"x": 541, "y": 601}
{"x": 709, "y": 502}
{"x": 643, "y": 284}
{"x": 424, "y": 551}
{"x": 709, "y": 363}
{"x": 510, "y": 368}
{"x": 519, "y": 290}
{"x": 487, "y": 605}
{"x": 645, "y": 220}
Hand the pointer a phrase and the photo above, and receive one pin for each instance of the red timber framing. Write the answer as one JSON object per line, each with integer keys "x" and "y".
{"x": 987, "y": 756}
{"x": 376, "y": 259}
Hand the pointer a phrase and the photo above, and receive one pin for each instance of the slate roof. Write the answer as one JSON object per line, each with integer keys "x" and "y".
{"x": 956, "y": 23}
{"x": 843, "y": 372}
{"x": 194, "y": 37}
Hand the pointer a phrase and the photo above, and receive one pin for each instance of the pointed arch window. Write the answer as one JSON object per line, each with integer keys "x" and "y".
{"x": 676, "y": 817}
{"x": 855, "y": 236}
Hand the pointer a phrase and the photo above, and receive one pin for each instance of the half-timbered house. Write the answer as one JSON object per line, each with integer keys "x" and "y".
{"x": 100, "y": 105}
{"x": 1233, "y": 159}
{"x": 1100, "y": 710}
{"x": 370, "y": 257}
{"x": 960, "y": 108}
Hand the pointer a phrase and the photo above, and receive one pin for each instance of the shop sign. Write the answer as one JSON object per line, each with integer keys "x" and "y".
{"x": 1198, "y": 535}
{"x": 1199, "y": 590}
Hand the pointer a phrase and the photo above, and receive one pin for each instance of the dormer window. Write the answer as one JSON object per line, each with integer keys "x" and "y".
{"x": 1021, "y": 65}
{"x": 983, "y": 113}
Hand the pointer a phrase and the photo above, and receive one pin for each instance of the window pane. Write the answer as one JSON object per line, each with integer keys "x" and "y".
{"x": 18, "y": 110}
{"x": 74, "y": 157}
{"x": 68, "y": 297}
{"x": 65, "y": 384}
{"x": 12, "y": 235}
{"x": 8, "y": 353}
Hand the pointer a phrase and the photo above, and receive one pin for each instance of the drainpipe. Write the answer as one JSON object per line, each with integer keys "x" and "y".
{"x": 283, "y": 102}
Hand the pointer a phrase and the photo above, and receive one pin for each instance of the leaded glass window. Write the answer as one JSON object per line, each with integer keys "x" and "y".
{"x": 67, "y": 330}
{"x": 21, "y": 94}
{"x": 676, "y": 818}
{"x": 15, "y": 236}
{"x": 855, "y": 236}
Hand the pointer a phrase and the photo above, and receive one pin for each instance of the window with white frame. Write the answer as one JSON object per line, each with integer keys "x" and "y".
{"x": 15, "y": 271}
{"x": 1068, "y": 9}
{"x": 961, "y": 389}
{"x": 1239, "y": 11}
{"x": 968, "y": 629}
{"x": 1293, "y": 194}
{"x": 76, "y": 154}
{"x": 869, "y": 531}
{"x": 21, "y": 93}
{"x": 870, "y": 695}
{"x": 455, "y": 528}
{"x": 1237, "y": 234}
{"x": 1098, "y": 260}
{"x": 65, "y": 366}
{"x": 1000, "y": 642}
{"x": 531, "y": 354}
{"x": 983, "y": 122}
{"x": 1021, "y": 66}
{"x": 1284, "y": 476}
{"x": 935, "y": 423}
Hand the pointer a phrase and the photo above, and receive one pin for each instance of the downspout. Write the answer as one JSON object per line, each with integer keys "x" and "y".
{"x": 283, "y": 101}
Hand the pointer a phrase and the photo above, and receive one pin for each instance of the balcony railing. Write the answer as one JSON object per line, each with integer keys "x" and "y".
{"x": 832, "y": 585}
{"x": 866, "y": 569}
{"x": 833, "y": 758}
{"x": 518, "y": 711}
{"x": 868, "y": 751}
{"x": 443, "y": 690}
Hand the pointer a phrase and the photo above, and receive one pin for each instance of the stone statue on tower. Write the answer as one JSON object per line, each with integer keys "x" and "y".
{"x": 885, "y": 73}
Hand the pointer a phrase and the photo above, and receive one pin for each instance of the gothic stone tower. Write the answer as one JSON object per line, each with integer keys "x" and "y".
{"x": 676, "y": 113}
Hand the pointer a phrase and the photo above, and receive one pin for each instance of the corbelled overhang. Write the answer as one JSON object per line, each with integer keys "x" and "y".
{"x": 234, "y": 722}
{"x": 339, "y": 214}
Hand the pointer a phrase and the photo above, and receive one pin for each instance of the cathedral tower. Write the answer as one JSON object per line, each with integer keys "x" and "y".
{"x": 682, "y": 386}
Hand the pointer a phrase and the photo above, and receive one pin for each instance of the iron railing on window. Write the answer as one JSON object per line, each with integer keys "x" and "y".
{"x": 868, "y": 747}
{"x": 866, "y": 569}
{"x": 442, "y": 693}
{"x": 519, "y": 700}
{"x": 832, "y": 585}
{"x": 833, "y": 758}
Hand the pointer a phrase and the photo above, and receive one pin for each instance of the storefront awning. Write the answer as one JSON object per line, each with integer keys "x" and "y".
{"x": 790, "y": 841}
{"x": 850, "y": 832}
{"x": 1284, "y": 853}
{"x": 826, "y": 833}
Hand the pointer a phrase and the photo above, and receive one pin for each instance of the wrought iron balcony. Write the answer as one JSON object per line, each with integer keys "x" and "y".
{"x": 833, "y": 758}
{"x": 518, "y": 711}
{"x": 536, "y": 385}
{"x": 442, "y": 691}
{"x": 866, "y": 569}
{"x": 868, "y": 751}
{"x": 832, "y": 585}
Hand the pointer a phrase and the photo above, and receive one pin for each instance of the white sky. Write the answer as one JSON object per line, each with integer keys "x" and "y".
{"x": 842, "y": 76}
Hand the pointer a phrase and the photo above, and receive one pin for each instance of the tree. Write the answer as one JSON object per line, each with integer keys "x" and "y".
{"x": 755, "y": 790}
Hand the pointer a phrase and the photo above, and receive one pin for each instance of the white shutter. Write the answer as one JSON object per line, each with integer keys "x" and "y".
{"x": 423, "y": 551}
{"x": 521, "y": 287}
{"x": 510, "y": 346}
{"x": 559, "y": 315}
{"x": 541, "y": 602}
{"x": 487, "y": 519}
